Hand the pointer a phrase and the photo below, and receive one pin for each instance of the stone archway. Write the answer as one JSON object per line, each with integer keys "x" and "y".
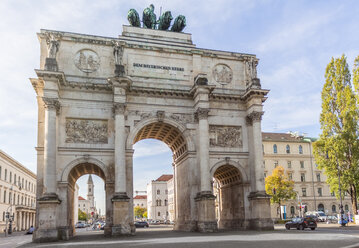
{"x": 230, "y": 197}
{"x": 185, "y": 188}
{"x": 66, "y": 191}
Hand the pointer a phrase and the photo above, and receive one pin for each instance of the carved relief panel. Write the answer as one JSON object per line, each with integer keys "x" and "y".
{"x": 225, "y": 136}
{"x": 86, "y": 131}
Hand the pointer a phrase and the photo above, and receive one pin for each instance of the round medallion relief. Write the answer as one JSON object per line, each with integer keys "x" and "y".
{"x": 222, "y": 74}
{"x": 87, "y": 60}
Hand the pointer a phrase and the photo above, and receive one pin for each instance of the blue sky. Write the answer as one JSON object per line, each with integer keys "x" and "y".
{"x": 294, "y": 41}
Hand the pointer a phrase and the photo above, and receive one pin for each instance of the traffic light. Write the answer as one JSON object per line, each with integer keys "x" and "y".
{"x": 273, "y": 191}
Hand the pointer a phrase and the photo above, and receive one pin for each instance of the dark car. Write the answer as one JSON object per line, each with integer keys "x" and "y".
{"x": 301, "y": 223}
{"x": 141, "y": 224}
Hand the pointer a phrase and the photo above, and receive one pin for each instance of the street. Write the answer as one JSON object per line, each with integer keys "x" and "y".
{"x": 328, "y": 236}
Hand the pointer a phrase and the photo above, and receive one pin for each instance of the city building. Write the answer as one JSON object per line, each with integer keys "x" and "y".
{"x": 171, "y": 199}
{"x": 140, "y": 201}
{"x": 157, "y": 198}
{"x": 88, "y": 205}
{"x": 17, "y": 194}
{"x": 295, "y": 154}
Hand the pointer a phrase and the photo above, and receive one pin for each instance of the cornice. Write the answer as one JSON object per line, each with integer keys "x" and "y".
{"x": 12, "y": 161}
{"x": 255, "y": 93}
{"x": 46, "y": 75}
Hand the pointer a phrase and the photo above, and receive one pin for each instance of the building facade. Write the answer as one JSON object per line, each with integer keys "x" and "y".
{"x": 88, "y": 205}
{"x": 171, "y": 199}
{"x": 17, "y": 193}
{"x": 140, "y": 201}
{"x": 295, "y": 155}
{"x": 157, "y": 198}
{"x": 98, "y": 96}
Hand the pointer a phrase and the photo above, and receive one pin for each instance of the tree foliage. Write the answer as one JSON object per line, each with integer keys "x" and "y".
{"x": 279, "y": 187}
{"x": 82, "y": 215}
{"x": 337, "y": 150}
{"x": 139, "y": 212}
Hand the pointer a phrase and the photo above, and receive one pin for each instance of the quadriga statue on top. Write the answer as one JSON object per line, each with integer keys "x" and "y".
{"x": 149, "y": 20}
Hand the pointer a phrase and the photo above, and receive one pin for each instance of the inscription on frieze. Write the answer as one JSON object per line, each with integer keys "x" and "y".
{"x": 86, "y": 131}
{"x": 225, "y": 136}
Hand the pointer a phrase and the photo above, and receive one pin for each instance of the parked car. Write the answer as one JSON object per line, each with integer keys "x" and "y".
{"x": 80, "y": 225}
{"x": 320, "y": 214}
{"x": 141, "y": 224}
{"x": 313, "y": 217}
{"x": 155, "y": 222}
{"x": 301, "y": 223}
{"x": 332, "y": 219}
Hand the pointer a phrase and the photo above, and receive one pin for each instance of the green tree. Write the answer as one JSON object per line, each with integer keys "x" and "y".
{"x": 336, "y": 151}
{"x": 279, "y": 187}
{"x": 82, "y": 215}
{"x": 145, "y": 215}
{"x": 139, "y": 212}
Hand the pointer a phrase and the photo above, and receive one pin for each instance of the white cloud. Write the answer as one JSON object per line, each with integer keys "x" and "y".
{"x": 145, "y": 149}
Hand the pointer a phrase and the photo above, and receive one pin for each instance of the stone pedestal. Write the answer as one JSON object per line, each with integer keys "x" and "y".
{"x": 206, "y": 212}
{"x": 119, "y": 70}
{"x": 47, "y": 230}
{"x": 122, "y": 221}
{"x": 260, "y": 211}
{"x": 51, "y": 64}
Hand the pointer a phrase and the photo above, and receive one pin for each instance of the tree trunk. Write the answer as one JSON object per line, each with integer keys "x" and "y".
{"x": 354, "y": 200}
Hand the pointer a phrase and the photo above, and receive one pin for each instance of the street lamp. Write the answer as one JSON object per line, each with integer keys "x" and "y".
{"x": 9, "y": 217}
{"x": 340, "y": 195}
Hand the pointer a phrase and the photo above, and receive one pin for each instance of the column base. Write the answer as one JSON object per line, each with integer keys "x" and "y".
{"x": 233, "y": 224}
{"x": 206, "y": 212}
{"x": 122, "y": 222}
{"x": 65, "y": 232}
{"x": 45, "y": 235}
{"x": 186, "y": 226}
{"x": 260, "y": 211}
{"x": 46, "y": 230}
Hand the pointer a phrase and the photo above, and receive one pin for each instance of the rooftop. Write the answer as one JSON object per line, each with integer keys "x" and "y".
{"x": 81, "y": 198}
{"x": 164, "y": 178}
{"x": 281, "y": 137}
{"x": 140, "y": 197}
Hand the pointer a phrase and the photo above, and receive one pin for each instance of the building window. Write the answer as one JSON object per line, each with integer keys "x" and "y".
{"x": 158, "y": 192}
{"x": 3, "y": 216}
{"x": 302, "y": 164}
{"x": 302, "y": 177}
{"x": 287, "y": 149}
{"x": 346, "y": 207}
{"x": 5, "y": 175}
{"x": 10, "y": 177}
{"x": 265, "y": 175}
{"x": 289, "y": 164}
{"x": 292, "y": 210}
{"x": 304, "y": 192}
{"x": 275, "y": 148}
{"x": 318, "y": 177}
{"x": 5, "y": 196}
{"x": 334, "y": 208}
{"x": 159, "y": 213}
{"x": 165, "y": 202}
{"x": 300, "y": 149}
{"x": 18, "y": 199}
{"x": 319, "y": 191}
{"x": 166, "y": 192}
{"x": 89, "y": 189}
{"x": 14, "y": 178}
{"x": 321, "y": 207}
{"x": 290, "y": 176}
{"x": 275, "y": 164}
{"x": 9, "y": 197}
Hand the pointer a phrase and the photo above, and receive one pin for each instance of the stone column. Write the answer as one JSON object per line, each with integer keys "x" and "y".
{"x": 51, "y": 108}
{"x": 260, "y": 217}
{"x": 122, "y": 211}
{"x": 19, "y": 224}
{"x": 48, "y": 202}
{"x": 120, "y": 150}
{"x": 202, "y": 115}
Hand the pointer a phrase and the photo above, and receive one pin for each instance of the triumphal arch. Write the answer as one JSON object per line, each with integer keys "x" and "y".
{"x": 98, "y": 96}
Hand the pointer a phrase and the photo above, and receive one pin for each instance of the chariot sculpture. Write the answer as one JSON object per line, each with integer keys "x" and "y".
{"x": 150, "y": 21}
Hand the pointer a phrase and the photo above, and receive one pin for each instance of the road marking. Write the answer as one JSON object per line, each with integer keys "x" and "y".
{"x": 352, "y": 246}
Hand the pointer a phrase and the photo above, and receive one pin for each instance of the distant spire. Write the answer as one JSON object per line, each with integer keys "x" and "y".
{"x": 89, "y": 181}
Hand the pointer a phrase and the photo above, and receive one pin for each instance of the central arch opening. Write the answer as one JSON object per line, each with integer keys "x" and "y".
{"x": 153, "y": 162}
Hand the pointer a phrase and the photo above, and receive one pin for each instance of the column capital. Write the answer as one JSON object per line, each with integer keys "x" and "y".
{"x": 253, "y": 117}
{"x": 201, "y": 113}
{"x": 51, "y": 104}
{"x": 119, "y": 108}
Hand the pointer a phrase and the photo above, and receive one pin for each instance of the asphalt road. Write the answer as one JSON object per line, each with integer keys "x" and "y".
{"x": 328, "y": 236}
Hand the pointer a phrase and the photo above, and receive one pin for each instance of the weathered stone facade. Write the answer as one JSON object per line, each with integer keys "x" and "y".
{"x": 152, "y": 84}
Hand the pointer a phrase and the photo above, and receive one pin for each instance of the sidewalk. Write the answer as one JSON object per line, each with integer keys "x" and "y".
{"x": 14, "y": 234}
